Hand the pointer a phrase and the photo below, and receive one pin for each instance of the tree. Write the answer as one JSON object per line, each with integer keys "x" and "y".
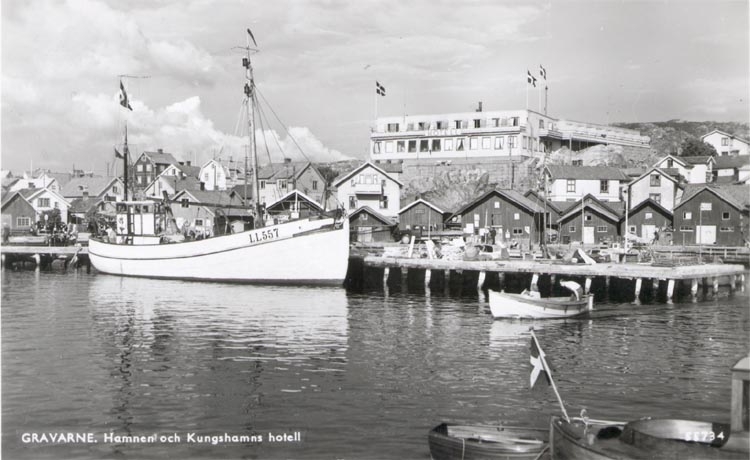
{"x": 692, "y": 147}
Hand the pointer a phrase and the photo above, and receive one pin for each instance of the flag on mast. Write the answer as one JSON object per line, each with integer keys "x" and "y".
{"x": 380, "y": 89}
{"x": 124, "y": 97}
{"x": 543, "y": 72}
{"x": 530, "y": 78}
{"x": 538, "y": 364}
{"x": 118, "y": 154}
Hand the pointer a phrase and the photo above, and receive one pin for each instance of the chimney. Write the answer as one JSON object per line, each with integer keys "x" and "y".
{"x": 189, "y": 163}
{"x": 159, "y": 151}
{"x": 479, "y": 109}
{"x": 203, "y": 186}
{"x": 86, "y": 194}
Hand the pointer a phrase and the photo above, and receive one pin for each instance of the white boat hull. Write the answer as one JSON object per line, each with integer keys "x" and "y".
{"x": 298, "y": 252}
{"x": 504, "y": 305}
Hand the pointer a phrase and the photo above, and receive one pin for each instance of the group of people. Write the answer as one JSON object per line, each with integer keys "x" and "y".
{"x": 58, "y": 233}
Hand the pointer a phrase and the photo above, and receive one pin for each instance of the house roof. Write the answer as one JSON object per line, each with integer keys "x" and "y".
{"x": 94, "y": 185}
{"x": 536, "y": 197}
{"x": 360, "y": 168}
{"x": 82, "y": 205}
{"x": 188, "y": 170}
{"x": 12, "y": 196}
{"x": 585, "y": 172}
{"x": 697, "y": 160}
{"x": 366, "y": 209}
{"x": 593, "y": 203}
{"x": 511, "y": 195}
{"x": 299, "y": 195}
{"x": 160, "y": 157}
{"x": 726, "y": 134}
{"x": 643, "y": 204}
{"x": 426, "y": 203}
{"x": 662, "y": 171}
{"x": 731, "y": 162}
{"x": 210, "y": 197}
{"x": 390, "y": 167}
{"x": 736, "y": 195}
{"x": 280, "y": 171}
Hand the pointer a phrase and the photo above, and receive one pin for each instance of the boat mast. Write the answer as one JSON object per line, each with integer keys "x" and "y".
{"x": 249, "y": 98}
{"x": 125, "y": 152}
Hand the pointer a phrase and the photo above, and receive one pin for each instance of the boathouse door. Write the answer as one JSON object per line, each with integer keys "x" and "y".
{"x": 647, "y": 231}
{"x": 705, "y": 234}
{"x": 588, "y": 235}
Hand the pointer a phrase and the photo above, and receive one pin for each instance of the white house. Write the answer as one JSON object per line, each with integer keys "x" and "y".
{"x": 278, "y": 179}
{"x": 213, "y": 175}
{"x": 369, "y": 185}
{"x": 174, "y": 178}
{"x": 44, "y": 180}
{"x": 571, "y": 183}
{"x": 44, "y": 200}
{"x": 726, "y": 144}
{"x": 657, "y": 185}
{"x": 695, "y": 170}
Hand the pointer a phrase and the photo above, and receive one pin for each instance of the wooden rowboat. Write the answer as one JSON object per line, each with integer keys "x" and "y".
{"x": 475, "y": 442}
{"x": 584, "y": 439}
{"x": 530, "y": 304}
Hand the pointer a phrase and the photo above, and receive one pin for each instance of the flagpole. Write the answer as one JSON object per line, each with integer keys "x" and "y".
{"x": 549, "y": 374}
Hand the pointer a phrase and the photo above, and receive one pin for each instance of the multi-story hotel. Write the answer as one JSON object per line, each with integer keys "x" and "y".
{"x": 509, "y": 134}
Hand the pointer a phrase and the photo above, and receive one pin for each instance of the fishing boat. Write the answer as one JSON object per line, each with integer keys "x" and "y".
{"x": 474, "y": 442}
{"x": 530, "y": 303}
{"x": 297, "y": 251}
{"x": 586, "y": 439}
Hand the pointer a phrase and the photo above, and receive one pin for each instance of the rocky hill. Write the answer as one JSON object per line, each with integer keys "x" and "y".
{"x": 668, "y": 136}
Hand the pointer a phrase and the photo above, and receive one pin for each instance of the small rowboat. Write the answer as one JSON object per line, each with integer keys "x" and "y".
{"x": 529, "y": 304}
{"x": 467, "y": 442}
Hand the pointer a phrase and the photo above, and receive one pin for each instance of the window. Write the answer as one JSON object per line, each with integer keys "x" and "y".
{"x": 389, "y": 147}
{"x": 655, "y": 180}
{"x": 376, "y": 148}
{"x": 282, "y": 183}
{"x": 473, "y": 143}
{"x": 477, "y": 123}
{"x": 262, "y": 184}
{"x": 603, "y": 186}
{"x": 352, "y": 202}
{"x": 724, "y": 215}
{"x": 655, "y": 196}
{"x": 499, "y": 143}
{"x": 384, "y": 202}
{"x": 577, "y": 163}
{"x": 601, "y": 229}
{"x": 587, "y": 218}
{"x": 572, "y": 229}
{"x": 419, "y": 211}
{"x": 115, "y": 189}
{"x": 198, "y": 222}
{"x": 649, "y": 215}
{"x": 460, "y": 143}
{"x": 670, "y": 163}
{"x": 686, "y": 228}
{"x": 363, "y": 217}
{"x": 205, "y": 177}
{"x": 392, "y": 127}
{"x": 511, "y": 141}
{"x": 436, "y": 145}
{"x": 517, "y": 231}
{"x": 496, "y": 122}
{"x": 457, "y": 124}
{"x": 424, "y": 145}
{"x": 23, "y": 221}
{"x": 516, "y": 216}
{"x": 687, "y": 215}
{"x": 140, "y": 180}
{"x": 400, "y": 146}
{"x": 486, "y": 142}
{"x": 514, "y": 121}
{"x": 724, "y": 141}
{"x": 571, "y": 186}
{"x": 43, "y": 202}
{"x": 440, "y": 125}
{"x": 148, "y": 167}
{"x": 706, "y": 206}
{"x": 421, "y": 126}
{"x": 632, "y": 229}
{"x": 57, "y": 205}
{"x": 726, "y": 229}
{"x": 541, "y": 124}
{"x": 314, "y": 185}
{"x": 412, "y": 146}
{"x": 448, "y": 144}
{"x": 497, "y": 205}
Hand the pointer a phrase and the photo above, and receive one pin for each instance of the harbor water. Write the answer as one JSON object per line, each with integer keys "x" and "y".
{"x": 140, "y": 368}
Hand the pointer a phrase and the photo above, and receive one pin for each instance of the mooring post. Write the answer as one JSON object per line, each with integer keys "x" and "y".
{"x": 501, "y": 280}
{"x": 480, "y": 281}
{"x": 704, "y": 287}
{"x": 386, "y": 273}
{"x": 587, "y": 285}
{"x": 551, "y": 284}
{"x": 694, "y": 289}
{"x": 732, "y": 284}
{"x": 670, "y": 290}
{"x": 38, "y": 259}
{"x": 638, "y": 283}
{"x": 404, "y": 277}
{"x": 716, "y": 286}
{"x": 742, "y": 283}
{"x": 447, "y": 277}
{"x": 655, "y": 287}
{"x": 534, "y": 283}
{"x": 427, "y": 276}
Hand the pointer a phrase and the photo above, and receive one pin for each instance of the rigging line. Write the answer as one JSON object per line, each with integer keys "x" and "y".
{"x": 261, "y": 115}
{"x": 285, "y": 128}
{"x": 265, "y": 141}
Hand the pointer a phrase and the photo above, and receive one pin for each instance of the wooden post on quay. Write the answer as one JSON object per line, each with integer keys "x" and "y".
{"x": 742, "y": 283}
{"x": 534, "y": 283}
{"x": 716, "y": 286}
{"x": 404, "y": 277}
{"x": 480, "y": 281}
{"x": 694, "y": 289}
{"x": 501, "y": 280}
{"x": 427, "y": 276}
{"x": 386, "y": 273}
{"x": 704, "y": 287}
{"x": 588, "y": 285}
{"x": 732, "y": 284}
{"x": 38, "y": 259}
{"x": 670, "y": 290}
{"x": 551, "y": 284}
{"x": 447, "y": 279}
{"x": 638, "y": 283}
{"x": 655, "y": 287}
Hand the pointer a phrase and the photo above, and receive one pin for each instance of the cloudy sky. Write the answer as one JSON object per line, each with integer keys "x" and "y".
{"x": 606, "y": 61}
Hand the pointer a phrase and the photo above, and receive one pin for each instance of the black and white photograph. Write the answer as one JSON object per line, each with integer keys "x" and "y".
{"x": 355, "y": 230}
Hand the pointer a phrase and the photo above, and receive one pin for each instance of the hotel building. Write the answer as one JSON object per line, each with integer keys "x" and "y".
{"x": 505, "y": 134}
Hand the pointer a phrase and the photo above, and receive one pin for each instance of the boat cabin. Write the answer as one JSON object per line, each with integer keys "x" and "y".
{"x": 740, "y": 416}
{"x": 147, "y": 221}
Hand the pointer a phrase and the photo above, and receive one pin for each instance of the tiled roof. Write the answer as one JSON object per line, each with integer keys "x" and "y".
{"x": 731, "y": 162}
{"x": 93, "y": 185}
{"x": 282, "y": 170}
{"x": 161, "y": 157}
{"x": 586, "y": 172}
{"x": 385, "y": 220}
{"x": 737, "y": 195}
